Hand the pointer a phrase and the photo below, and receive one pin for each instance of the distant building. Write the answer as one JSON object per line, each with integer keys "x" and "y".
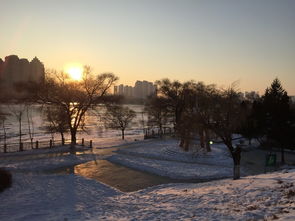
{"x": 14, "y": 70}
{"x": 141, "y": 89}
{"x": 121, "y": 89}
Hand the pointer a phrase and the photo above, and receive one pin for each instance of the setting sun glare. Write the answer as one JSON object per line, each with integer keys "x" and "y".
{"x": 75, "y": 71}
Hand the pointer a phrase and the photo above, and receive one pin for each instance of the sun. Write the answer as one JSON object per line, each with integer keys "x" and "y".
{"x": 75, "y": 71}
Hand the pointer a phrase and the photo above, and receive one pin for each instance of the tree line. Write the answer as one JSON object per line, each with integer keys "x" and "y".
{"x": 199, "y": 111}
{"x": 195, "y": 110}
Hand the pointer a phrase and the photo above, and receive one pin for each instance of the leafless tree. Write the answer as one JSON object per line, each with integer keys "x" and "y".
{"x": 173, "y": 91}
{"x": 181, "y": 102}
{"x": 224, "y": 118}
{"x": 56, "y": 118}
{"x": 2, "y": 124}
{"x": 158, "y": 113}
{"x": 30, "y": 123}
{"x": 18, "y": 110}
{"x": 75, "y": 98}
{"x": 118, "y": 117}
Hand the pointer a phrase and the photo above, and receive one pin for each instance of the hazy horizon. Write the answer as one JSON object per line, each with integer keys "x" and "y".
{"x": 212, "y": 41}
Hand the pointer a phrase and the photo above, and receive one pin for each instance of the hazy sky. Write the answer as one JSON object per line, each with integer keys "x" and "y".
{"x": 219, "y": 41}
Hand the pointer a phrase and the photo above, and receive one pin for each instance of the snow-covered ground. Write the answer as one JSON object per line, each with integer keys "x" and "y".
{"x": 69, "y": 197}
{"x": 165, "y": 158}
{"x": 39, "y": 196}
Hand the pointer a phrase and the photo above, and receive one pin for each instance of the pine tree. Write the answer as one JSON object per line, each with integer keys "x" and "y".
{"x": 277, "y": 115}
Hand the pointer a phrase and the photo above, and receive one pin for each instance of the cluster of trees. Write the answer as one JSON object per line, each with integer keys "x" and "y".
{"x": 199, "y": 110}
{"x": 194, "y": 108}
{"x": 65, "y": 103}
{"x": 271, "y": 119}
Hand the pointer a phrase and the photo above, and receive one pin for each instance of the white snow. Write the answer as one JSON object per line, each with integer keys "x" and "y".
{"x": 43, "y": 164}
{"x": 70, "y": 197}
{"x": 39, "y": 196}
{"x": 57, "y": 149}
{"x": 165, "y": 158}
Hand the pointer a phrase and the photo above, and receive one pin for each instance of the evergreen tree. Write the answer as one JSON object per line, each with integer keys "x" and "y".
{"x": 277, "y": 115}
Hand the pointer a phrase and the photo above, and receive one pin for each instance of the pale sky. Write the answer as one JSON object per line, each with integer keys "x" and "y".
{"x": 215, "y": 41}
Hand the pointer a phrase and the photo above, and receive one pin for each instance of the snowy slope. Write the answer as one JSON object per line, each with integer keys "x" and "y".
{"x": 35, "y": 196}
{"x": 70, "y": 197}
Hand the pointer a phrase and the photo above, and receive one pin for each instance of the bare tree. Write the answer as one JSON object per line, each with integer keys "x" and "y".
{"x": 173, "y": 91}
{"x": 182, "y": 99}
{"x": 225, "y": 118}
{"x": 118, "y": 117}
{"x": 56, "y": 118}
{"x": 30, "y": 123}
{"x": 18, "y": 110}
{"x": 2, "y": 124}
{"x": 158, "y": 113}
{"x": 75, "y": 98}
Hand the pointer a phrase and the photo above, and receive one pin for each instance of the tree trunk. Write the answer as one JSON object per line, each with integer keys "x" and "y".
{"x": 236, "y": 172}
{"x": 236, "y": 154}
{"x": 181, "y": 144}
{"x": 20, "y": 133}
{"x": 62, "y": 138}
{"x": 123, "y": 134}
{"x": 73, "y": 137}
{"x": 32, "y": 143}
{"x": 186, "y": 144}
{"x": 282, "y": 155}
{"x": 201, "y": 134}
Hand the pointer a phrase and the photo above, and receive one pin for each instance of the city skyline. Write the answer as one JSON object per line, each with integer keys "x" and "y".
{"x": 141, "y": 89}
{"x": 211, "y": 41}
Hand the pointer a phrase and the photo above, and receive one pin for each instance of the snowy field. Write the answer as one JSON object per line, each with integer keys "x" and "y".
{"x": 37, "y": 195}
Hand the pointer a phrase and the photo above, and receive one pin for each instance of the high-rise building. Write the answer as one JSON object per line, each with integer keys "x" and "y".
{"x": 14, "y": 70}
{"x": 121, "y": 89}
{"x": 141, "y": 89}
